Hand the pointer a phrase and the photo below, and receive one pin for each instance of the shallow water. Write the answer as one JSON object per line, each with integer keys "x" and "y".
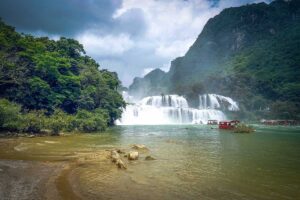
{"x": 192, "y": 162}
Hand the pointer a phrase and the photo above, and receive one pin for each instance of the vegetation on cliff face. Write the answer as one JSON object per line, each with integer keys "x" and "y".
{"x": 56, "y": 81}
{"x": 250, "y": 53}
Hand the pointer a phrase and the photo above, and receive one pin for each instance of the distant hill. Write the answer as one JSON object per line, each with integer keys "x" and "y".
{"x": 250, "y": 53}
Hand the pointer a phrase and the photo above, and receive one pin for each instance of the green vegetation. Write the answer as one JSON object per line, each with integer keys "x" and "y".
{"x": 47, "y": 84}
{"x": 36, "y": 121}
{"x": 250, "y": 53}
{"x": 243, "y": 128}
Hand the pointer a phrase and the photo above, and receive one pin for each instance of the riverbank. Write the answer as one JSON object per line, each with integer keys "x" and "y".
{"x": 24, "y": 179}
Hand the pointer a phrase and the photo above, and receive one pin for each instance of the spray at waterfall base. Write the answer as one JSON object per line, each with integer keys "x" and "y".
{"x": 174, "y": 109}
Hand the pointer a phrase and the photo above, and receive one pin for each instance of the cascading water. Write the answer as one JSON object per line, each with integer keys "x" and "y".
{"x": 174, "y": 109}
{"x": 215, "y": 101}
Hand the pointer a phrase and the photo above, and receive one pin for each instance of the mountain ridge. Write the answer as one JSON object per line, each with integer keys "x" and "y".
{"x": 225, "y": 59}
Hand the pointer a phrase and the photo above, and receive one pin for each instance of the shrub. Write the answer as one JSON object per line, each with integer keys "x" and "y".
{"x": 10, "y": 117}
{"x": 59, "y": 121}
{"x": 243, "y": 128}
{"x": 33, "y": 121}
{"x": 91, "y": 121}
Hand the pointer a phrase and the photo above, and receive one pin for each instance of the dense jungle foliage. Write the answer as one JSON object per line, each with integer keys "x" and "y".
{"x": 47, "y": 84}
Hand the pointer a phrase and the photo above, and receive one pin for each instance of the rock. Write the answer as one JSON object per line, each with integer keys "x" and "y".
{"x": 114, "y": 156}
{"x": 31, "y": 136}
{"x": 149, "y": 158}
{"x": 133, "y": 155}
{"x": 120, "y": 151}
{"x": 140, "y": 147}
{"x": 121, "y": 164}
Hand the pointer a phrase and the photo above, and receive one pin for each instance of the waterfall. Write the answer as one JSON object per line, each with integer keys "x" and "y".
{"x": 215, "y": 101}
{"x": 174, "y": 109}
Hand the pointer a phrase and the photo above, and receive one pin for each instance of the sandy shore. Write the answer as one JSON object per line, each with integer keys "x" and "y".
{"x": 29, "y": 179}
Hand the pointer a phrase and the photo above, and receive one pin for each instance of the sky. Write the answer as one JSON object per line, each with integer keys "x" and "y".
{"x": 131, "y": 37}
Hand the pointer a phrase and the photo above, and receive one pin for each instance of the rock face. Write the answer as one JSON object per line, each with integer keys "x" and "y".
{"x": 239, "y": 48}
{"x": 133, "y": 155}
{"x": 143, "y": 86}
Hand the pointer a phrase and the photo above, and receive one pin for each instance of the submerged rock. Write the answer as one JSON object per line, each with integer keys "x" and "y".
{"x": 133, "y": 155}
{"x": 140, "y": 147}
{"x": 149, "y": 158}
{"x": 121, "y": 164}
{"x": 115, "y": 156}
{"x": 120, "y": 151}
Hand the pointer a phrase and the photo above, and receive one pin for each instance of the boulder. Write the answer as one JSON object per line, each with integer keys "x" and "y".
{"x": 140, "y": 147}
{"x": 121, "y": 164}
{"x": 120, "y": 151}
{"x": 115, "y": 156}
{"x": 133, "y": 155}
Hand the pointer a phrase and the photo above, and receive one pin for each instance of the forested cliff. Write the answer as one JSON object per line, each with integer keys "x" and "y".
{"x": 250, "y": 53}
{"x": 53, "y": 84}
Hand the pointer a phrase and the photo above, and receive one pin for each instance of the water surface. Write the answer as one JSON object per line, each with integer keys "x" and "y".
{"x": 192, "y": 162}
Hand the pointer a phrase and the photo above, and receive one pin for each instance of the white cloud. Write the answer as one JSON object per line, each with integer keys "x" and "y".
{"x": 108, "y": 45}
{"x": 170, "y": 27}
{"x": 147, "y": 70}
{"x": 166, "y": 67}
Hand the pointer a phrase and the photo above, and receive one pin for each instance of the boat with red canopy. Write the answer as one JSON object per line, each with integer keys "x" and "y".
{"x": 228, "y": 124}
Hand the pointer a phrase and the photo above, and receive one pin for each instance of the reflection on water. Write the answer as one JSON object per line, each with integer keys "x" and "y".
{"x": 192, "y": 162}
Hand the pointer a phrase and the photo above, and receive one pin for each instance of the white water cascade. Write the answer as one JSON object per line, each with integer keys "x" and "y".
{"x": 174, "y": 109}
{"x": 215, "y": 101}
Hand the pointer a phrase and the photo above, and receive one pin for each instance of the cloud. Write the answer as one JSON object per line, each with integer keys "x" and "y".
{"x": 127, "y": 36}
{"x": 147, "y": 70}
{"x": 108, "y": 45}
{"x": 63, "y": 17}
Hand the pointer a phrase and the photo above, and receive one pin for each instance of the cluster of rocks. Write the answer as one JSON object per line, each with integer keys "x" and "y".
{"x": 132, "y": 155}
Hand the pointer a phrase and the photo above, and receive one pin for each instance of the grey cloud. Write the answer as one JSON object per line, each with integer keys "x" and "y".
{"x": 61, "y": 17}
{"x": 126, "y": 44}
{"x": 132, "y": 22}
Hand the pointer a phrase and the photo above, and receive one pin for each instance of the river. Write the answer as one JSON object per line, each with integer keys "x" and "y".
{"x": 192, "y": 162}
